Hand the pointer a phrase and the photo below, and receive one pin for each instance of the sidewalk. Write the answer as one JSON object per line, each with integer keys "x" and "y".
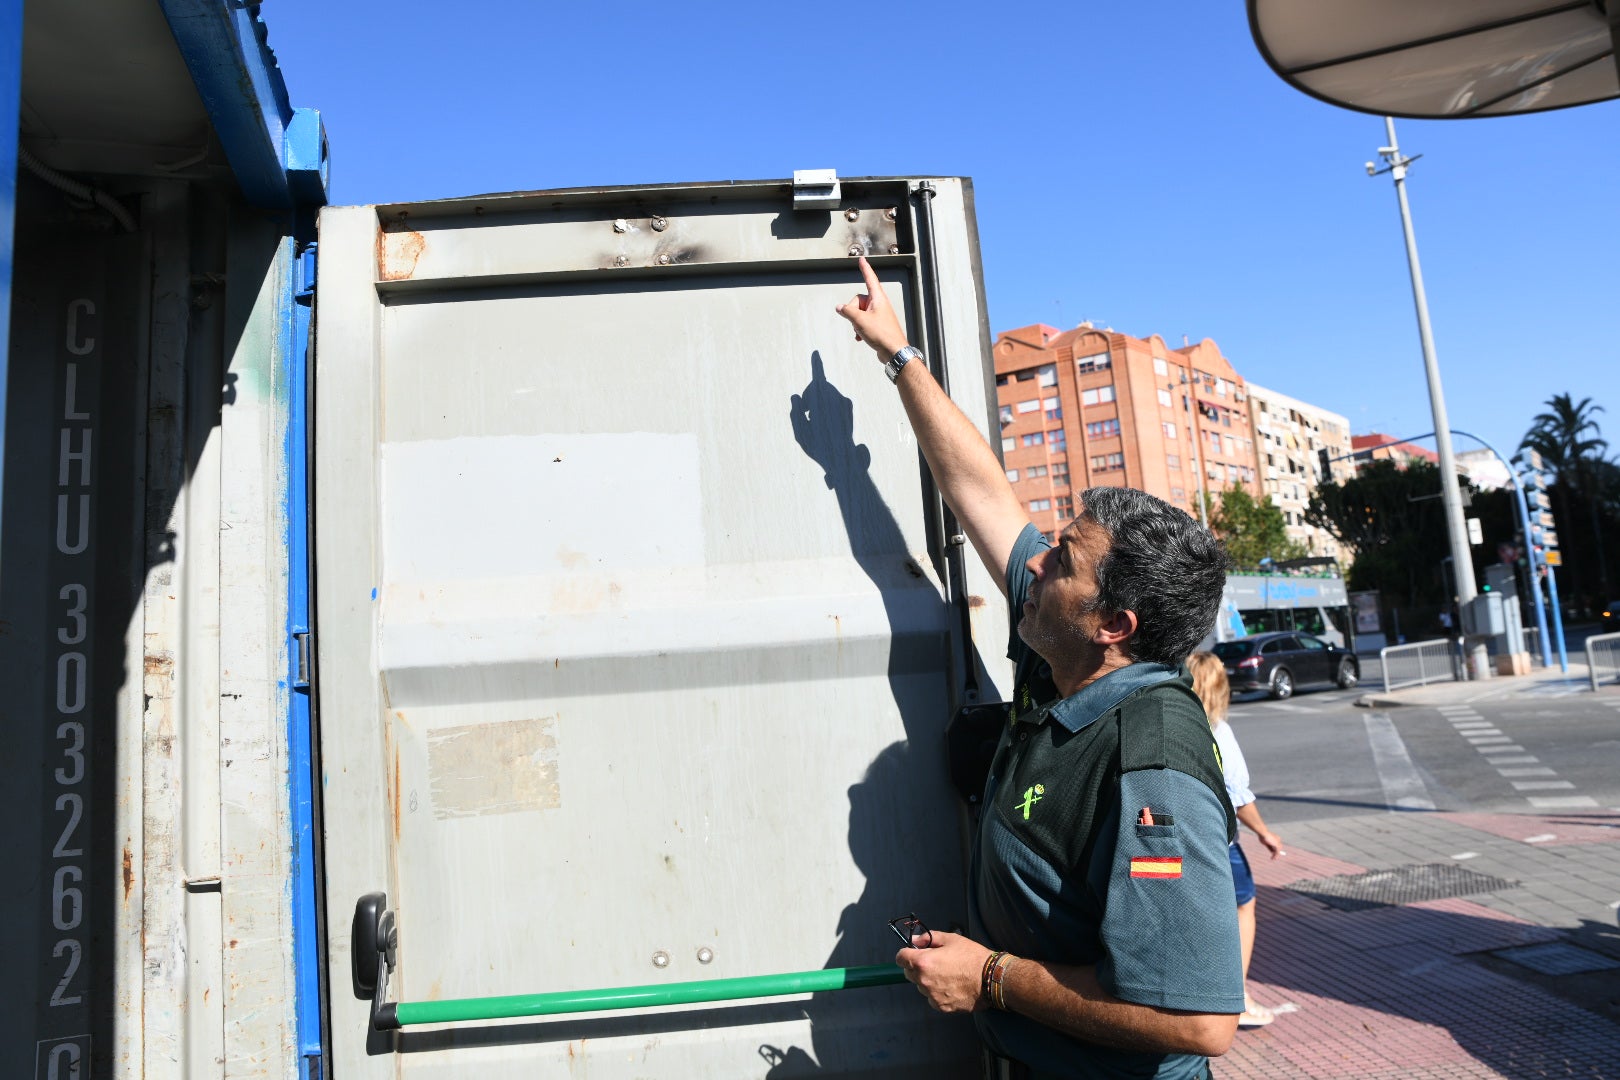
{"x": 1429, "y": 945}
{"x": 1550, "y": 681}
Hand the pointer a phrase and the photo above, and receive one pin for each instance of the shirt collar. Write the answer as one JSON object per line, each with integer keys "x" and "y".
{"x": 1092, "y": 700}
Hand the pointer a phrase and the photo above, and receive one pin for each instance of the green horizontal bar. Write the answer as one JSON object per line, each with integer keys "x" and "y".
{"x": 646, "y": 997}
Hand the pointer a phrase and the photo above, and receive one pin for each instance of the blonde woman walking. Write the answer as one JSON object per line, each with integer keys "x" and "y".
{"x": 1209, "y": 681}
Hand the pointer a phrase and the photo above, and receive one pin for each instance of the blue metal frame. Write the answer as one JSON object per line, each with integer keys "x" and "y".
{"x": 301, "y": 757}
{"x": 225, "y": 47}
{"x": 11, "y": 34}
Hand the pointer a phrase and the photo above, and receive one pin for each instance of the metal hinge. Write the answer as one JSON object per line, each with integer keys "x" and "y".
{"x": 308, "y": 267}
{"x": 303, "y": 644}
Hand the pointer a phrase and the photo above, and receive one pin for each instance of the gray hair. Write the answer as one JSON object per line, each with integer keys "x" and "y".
{"x": 1162, "y": 565}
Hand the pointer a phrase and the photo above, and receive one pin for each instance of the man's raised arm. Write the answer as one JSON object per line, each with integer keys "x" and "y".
{"x": 969, "y": 475}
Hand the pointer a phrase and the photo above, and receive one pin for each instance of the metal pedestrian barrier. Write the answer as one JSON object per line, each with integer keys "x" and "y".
{"x": 1419, "y": 663}
{"x": 1603, "y": 658}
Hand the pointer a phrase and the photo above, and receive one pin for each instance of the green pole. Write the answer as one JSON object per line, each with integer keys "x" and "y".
{"x": 644, "y": 997}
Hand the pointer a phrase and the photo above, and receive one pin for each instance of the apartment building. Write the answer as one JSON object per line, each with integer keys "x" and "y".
{"x": 1483, "y": 468}
{"x": 1377, "y": 446}
{"x": 1288, "y": 435}
{"x": 1091, "y": 407}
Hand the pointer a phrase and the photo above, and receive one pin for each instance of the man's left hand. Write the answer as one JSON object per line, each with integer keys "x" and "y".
{"x": 949, "y": 973}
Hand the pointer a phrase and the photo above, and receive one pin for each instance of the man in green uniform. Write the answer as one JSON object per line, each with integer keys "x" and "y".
{"x": 1102, "y": 939}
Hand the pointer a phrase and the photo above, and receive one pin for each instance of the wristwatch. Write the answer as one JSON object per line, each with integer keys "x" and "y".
{"x": 900, "y": 360}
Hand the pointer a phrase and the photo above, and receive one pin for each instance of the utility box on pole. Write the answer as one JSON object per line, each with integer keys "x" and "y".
{"x": 1483, "y": 617}
{"x": 1511, "y": 656}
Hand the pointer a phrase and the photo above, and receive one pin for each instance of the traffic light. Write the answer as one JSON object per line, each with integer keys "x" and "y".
{"x": 1326, "y": 462}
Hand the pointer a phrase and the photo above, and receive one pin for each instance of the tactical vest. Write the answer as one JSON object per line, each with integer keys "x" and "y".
{"x": 1160, "y": 726}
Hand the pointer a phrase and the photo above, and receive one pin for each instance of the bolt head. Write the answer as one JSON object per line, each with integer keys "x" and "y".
{"x": 620, "y": 225}
{"x": 664, "y": 259}
{"x": 705, "y": 955}
{"x": 659, "y": 224}
{"x": 852, "y": 214}
{"x": 622, "y": 260}
{"x": 894, "y": 249}
{"x": 856, "y": 249}
{"x": 660, "y": 959}
{"x": 891, "y": 213}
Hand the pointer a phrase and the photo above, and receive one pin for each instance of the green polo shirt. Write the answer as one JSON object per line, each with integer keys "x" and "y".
{"x": 1063, "y": 872}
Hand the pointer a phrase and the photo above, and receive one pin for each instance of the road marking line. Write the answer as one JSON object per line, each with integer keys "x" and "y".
{"x": 1463, "y": 725}
{"x": 1289, "y": 708}
{"x": 1542, "y": 785}
{"x": 1499, "y": 749}
{"x": 1540, "y": 838}
{"x": 1403, "y": 787}
{"x": 1489, "y": 740}
{"x": 1461, "y": 855}
{"x": 1520, "y": 759}
{"x": 1561, "y": 802}
{"x": 1527, "y": 772}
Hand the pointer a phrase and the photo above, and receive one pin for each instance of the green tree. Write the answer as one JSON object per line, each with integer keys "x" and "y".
{"x": 1571, "y": 445}
{"x": 1394, "y": 521}
{"x": 1252, "y": 529}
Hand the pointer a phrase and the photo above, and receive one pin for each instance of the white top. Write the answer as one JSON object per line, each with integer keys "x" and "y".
{"x": 1233, "y": 767}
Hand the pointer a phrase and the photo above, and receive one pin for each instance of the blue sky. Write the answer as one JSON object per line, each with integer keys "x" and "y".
{"x": 1135, "y": 164}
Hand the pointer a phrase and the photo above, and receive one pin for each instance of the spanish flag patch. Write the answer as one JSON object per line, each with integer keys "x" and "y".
{"x": 1156, "y": 867}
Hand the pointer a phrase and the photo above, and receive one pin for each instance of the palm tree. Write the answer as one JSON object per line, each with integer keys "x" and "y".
{"x": 1561, "y": 437}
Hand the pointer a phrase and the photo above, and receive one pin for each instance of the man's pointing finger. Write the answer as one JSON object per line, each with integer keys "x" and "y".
{"x": 873, "y": 286}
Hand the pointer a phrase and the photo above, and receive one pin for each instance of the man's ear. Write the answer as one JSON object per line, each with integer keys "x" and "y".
{"x": 1117, "y": 629}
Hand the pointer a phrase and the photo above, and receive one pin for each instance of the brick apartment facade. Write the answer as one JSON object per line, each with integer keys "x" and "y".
{"x": 1399, "y": 452}
{"x": 1288, "y": 433}
{"x": 1089, "y": 407}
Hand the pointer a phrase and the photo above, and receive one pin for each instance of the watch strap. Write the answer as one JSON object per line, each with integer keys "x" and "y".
{"x": 900, "y": 360}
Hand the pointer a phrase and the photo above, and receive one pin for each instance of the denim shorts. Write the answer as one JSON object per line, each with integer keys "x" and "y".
{"x": 1242, "y": 878}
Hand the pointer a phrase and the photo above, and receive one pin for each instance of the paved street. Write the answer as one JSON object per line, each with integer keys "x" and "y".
{"x": 1447, "y": 907}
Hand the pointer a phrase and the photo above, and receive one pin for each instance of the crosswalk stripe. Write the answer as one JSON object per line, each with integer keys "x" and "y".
{"x": 1561, "y": 802}
{"x": 1542, "y": 785}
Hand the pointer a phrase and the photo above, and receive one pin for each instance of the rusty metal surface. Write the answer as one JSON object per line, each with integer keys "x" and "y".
{"x": 444, "y": 244}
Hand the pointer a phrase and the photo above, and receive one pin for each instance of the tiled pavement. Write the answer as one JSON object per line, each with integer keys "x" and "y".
{"x": 1430, "y": 989}
{"x": 1420, "y": 989}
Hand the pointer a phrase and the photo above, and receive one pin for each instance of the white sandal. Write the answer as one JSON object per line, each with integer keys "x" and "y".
{"x": 1255, "y": 1015}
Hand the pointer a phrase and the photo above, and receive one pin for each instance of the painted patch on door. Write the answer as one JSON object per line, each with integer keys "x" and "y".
{"x": 498, "y": 768}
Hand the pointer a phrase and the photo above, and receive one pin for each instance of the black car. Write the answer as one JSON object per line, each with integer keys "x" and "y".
{"x": 1280, "y": 661}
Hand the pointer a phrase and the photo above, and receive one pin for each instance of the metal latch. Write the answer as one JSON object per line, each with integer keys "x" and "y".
{"x": 301, "y": 645}
{"x": 815, "y": 189}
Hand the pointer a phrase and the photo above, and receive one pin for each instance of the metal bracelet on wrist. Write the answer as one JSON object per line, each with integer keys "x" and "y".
{"x": 899, "y": 360}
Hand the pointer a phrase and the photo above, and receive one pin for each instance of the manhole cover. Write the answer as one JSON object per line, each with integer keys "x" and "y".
{"x": 1400, "y": 885}
{"x": 1557, "y": 958}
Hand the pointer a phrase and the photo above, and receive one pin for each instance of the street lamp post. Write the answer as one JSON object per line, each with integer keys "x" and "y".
{"x": 1451, "y": 493}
